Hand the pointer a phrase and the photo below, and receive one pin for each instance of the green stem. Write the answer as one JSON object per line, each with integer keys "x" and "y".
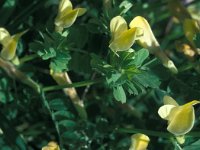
{"x": 147, "y": 132}
{"x": 46, "y": 104}
{"x": 77, "y": 84}
{"x": 28, "y": 58}
{"x": 156, "y": 133}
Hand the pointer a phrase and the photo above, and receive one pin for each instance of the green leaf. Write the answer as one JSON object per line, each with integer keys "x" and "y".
{"x": 12, "y": 137}
{"x": 53, "y": 47}
{"x": 113, "y": 79}
{"x": 47, "y": 53}
{"x": 125, "y": 6}
{"x": 69, "y": 124}
{"x": 71, "y": 136}
{"x": 140, "y": 57}
{"x": 193, "y": 146}
{"x": 119, "y": 94}
{"x": 57, "y": 104}
{"x": 60, "y": 62}
{"x": 63, "y": 113}
{"x": 147, "y": 79}
{"x": 7, "y": 10}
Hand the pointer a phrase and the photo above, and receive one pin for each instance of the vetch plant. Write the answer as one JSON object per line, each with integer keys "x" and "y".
{"x": 90, "y": 82}
{"x": 9, "y": 43}
{"x": 139, "y": 141}
{"x": 180, "y": 119}
{"x": 67, "y": 15}
{"x": 122, "y": 38}
{"x": 149, "y": 42}
{"x": 51, "y": 146}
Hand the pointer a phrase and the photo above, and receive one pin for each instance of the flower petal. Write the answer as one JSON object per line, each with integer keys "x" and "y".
{"x": 9, "y": 49}
{"x": 181, "y": 120}
{"x": 125, "y": 40}
{"x": 139, "y": 142}
{"x": 117, "y": 26}
{"x": 51, "y": 146}
{"x": 4, "y": 36}
{"x": 67, "y": 20}
{"x": 64, "y": 6}
{"x": 169, "y": 100}
{"x": 165, "y": 110}
{"x": 81, "y": 11}
{"x": 148, "y": 40}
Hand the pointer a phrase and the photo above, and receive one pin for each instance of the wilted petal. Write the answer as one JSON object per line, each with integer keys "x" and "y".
{"x": 117, "y": 26}
{"x": 125, "y": 40}
{"x": 165, "y": 110}
{"x": 139, "y": 142}
{"x": 181, "y": 120}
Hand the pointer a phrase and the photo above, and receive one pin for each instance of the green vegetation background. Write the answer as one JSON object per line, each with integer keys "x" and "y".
{"x": 24, "y": 118}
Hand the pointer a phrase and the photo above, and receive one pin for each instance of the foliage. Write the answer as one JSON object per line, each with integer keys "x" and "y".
{"x": 121, "y": 91}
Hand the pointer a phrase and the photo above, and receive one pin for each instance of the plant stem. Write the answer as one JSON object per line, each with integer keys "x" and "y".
{"x": 77, "y": 84}
{"x": 14, "y": 73}
{"x": 156, "y": 133}
{"x": 28, "y": 58}
{"x": 148, "y": 132}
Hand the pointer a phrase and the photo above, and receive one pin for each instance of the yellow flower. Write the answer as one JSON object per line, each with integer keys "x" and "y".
{"x": 67, "y": 15}
{"x": 180, "y": 118}
{"x": 122, "y": 38}
{"x": 186, "y": 49}
{"x": 139, "y": 142}
{"x": 9, "y": 43}
{"x": 149, "y": 42}
{"x": 51, "y": 146}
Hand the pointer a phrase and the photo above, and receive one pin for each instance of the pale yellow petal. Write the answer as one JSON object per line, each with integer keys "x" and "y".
{"x": 117, "y": 26}
{"x": 148, "y": 40}
{"x": 191, "y": 27}
{"x": 180, "y": 139}
{"x": 9, "y": 50}
{"x": 165, "y": 110}
{"x": 4, "y": 36}
{"x": 67, "y": 20}
{"x": 125, "y": 40}
{"x": 169, "y": 100}
{"x": 181, "y": 120}
{"x": 81, "y": 11}
{"x": 192, "y": 103}
{"x": 139, "y": 142}
{"x": 51, "y": 146}
{"x": 64, "y": 6}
